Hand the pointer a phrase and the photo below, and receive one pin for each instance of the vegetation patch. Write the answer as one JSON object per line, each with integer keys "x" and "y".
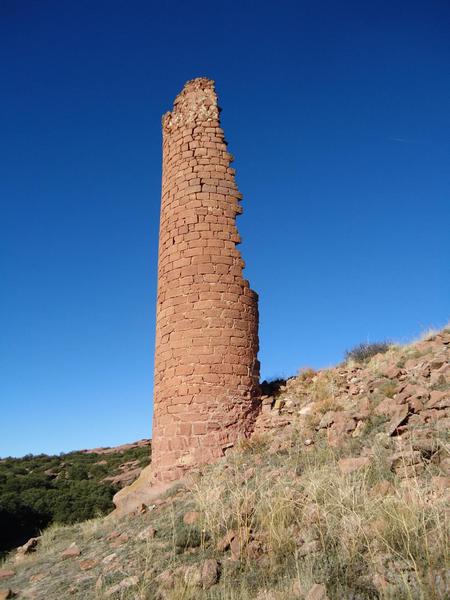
{"x": 36, "y": 491}
{"x": 364, "y": 351}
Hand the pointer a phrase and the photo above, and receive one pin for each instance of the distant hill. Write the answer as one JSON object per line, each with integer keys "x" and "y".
{"x": 36, "y": 491}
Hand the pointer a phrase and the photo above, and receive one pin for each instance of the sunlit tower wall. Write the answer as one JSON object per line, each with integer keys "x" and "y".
{"x": 206, "y": 368}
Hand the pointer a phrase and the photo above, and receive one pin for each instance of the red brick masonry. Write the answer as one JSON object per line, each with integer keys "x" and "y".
{"x": 206, "y": 367}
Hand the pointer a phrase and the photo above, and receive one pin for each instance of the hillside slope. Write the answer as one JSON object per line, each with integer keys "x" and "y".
{"x": 341, "y": 493}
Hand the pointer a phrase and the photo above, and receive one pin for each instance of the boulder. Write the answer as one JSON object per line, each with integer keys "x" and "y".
{"x": 391, "y": 372}
{"x": 343, "y": 423}
{"x": 412, "y": 390}
{"x": 71, "y": 552}
{"x": 327, "y": 419}
{"x": 27, "y": 548}
{"x": 438, "y": 400}
{"x": 349, "y": 465}
{"x": 144, "y": 490}
{"x": 210, "y": 573}
{"x": 407, "y": 463}
{"x": 203, "y": 575}
{"x": 398, "y": 418}
{"x": 6, "y": 573}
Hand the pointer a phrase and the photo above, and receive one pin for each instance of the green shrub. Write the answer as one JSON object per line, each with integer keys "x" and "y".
{"x": 38, "y": 490}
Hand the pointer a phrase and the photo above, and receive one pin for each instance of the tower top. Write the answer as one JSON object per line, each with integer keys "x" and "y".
{"x": 196, "y": 104}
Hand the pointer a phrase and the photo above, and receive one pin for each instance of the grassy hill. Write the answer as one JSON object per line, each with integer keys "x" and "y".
{"x": 342, "y": 493}
{"x": 38, "y": 490}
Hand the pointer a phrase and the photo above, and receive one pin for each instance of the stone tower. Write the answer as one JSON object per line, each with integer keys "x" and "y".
{"x": 206, "y": 367}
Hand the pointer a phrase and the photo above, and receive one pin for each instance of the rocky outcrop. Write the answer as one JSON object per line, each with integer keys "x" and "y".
{"x": 406, "y": 391}
{"x": 140, "y": 494}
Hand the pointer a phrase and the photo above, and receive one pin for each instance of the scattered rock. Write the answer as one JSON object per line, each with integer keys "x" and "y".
{"x": 125, "y": 478}
{"x": 327, "y": 420}
{"x": 359, "y": 430}
{"x": 109, "y": 558}
{"x": 71, "y": 552}
{"x": 27, "y": 548}
{"x": 317, "y": 592}
{"x": 254, "y": 549}
{"x": 406, "y": 463}
{"x": 166, "y": 579}
{"x": 147, "y": 534}
{"x": 210, "y": 573}
{"x": 279, "y": 403}
{"x": 203, "y": 575}
{"x": 224, "y": 543}
{"x": 193, "y": 576}
{"x": 236, "y": 548}
{"x": 88, "y": 564}
{"x": 307, "y": 409}
{"x": 398, "y": 419}
{"x": 125, "y": 584}
{"x": 144, "y": 490}
{"x": 438, "y": 400}
{"x": 142, "y": 509}
{"x": 191, "y": 517}
{"x": 348, "y": 465}
{"x": 392, "y": 372}
{"x": 388, "y": 407}
{"x": 119, "y": 540}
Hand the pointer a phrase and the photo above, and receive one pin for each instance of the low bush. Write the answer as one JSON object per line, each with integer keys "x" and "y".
{"x": 364, "y": 351}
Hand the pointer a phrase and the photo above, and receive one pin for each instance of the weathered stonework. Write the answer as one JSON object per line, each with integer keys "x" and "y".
{"x": 206, "y": 367}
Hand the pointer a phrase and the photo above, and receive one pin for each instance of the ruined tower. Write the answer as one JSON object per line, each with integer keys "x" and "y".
{"x": 206, "y": 367}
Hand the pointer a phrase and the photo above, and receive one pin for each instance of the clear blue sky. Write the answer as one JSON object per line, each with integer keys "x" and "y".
{"x": 338, "y": 114}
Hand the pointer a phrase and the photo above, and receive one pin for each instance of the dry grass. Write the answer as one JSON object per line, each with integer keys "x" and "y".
{"x": 366, "y": 544}
{"x": 370, "y": 535}
{"x": 324, "y": 391}
{"x": 392, "y": 545}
